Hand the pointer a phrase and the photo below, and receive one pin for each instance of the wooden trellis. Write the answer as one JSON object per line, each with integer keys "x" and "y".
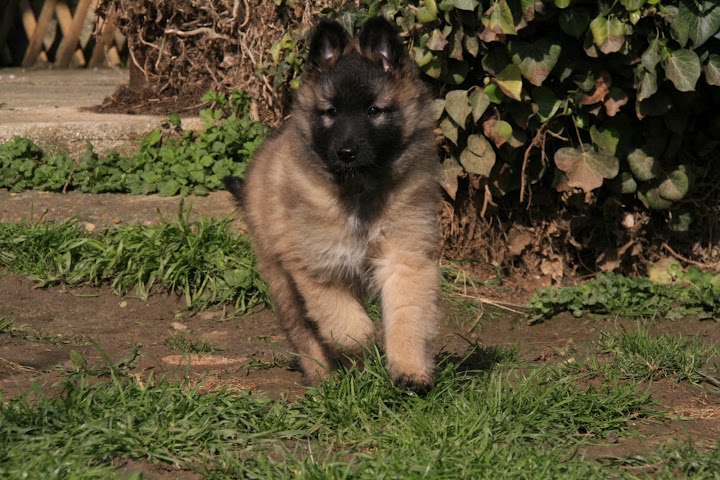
{"x": 56, "y": 18}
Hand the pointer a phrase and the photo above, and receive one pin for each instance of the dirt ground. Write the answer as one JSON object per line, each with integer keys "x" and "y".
{"x": 251, "y": 353}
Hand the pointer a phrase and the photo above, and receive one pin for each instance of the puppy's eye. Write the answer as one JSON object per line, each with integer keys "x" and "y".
{"x": 374, "y": 111}
{"x": 329, "y": 112}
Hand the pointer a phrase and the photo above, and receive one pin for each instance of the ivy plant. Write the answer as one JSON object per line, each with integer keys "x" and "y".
{"x": 619, "y": 97}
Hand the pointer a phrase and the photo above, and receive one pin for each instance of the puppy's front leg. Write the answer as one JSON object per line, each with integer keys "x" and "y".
{"x": 409, "y": 284}
{"x": 338, "y": 315}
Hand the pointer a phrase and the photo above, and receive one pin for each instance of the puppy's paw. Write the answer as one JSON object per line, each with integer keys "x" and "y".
{"x": 418, "y": 383}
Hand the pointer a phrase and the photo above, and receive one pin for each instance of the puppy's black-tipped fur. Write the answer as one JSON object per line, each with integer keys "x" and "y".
{"x": 236, "y": 186}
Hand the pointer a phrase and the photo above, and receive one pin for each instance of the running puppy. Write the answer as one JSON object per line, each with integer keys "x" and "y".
{"x": 341, "y": 202}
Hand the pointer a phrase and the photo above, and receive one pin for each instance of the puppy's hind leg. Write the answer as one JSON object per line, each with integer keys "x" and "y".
{"x": 314, "y": 356}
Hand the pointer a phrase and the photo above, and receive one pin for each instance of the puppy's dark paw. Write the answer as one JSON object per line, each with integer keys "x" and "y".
{"x": 420, "y": 384}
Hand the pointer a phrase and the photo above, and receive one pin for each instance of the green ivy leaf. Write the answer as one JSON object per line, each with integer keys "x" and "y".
{"x": 574, "y": 21}
{"x": 586, "y": 168}
{"x": 510, "y": 81}
{"x": 422, "y": 56}
{"x": 436, "y": 41}
{"x": 562, "y": 3}
{"x": 652, "y": 56}
{"x": 468, "y": 5}
{"x": 651, "y": 199}
{"x": 479, "y": 102}
{"x": 478, "y": 157}
{"x": 472, "y": 45}
{"x": 438, "y": 107}
{"x": 427, "y": 13}
{"x": 500, "y": 19}
{"x": 547, "y": 103}
{"x": 608, "y": 34}
{"x": 676, "y": 185}
{"x": 606, "y": 139}
{"x": 631, "y": 5}
{"x": 535, "y": 60}
{"x": 494, "y": 94}
{"x": 449, "y": 176}
{"x": 433, "y": 68}
{"x": 497, "y": 131}
{"x": 626, "y": 183}
{"x": 644, "y": 167}
{"x": 683, "y": 69}
{"x": 712, "y": 70}
{"x": 697, "y": 20}
{"x": 457, "y": 106}
{"x": 449, "y": 129}
{"x": 647, "y": 84}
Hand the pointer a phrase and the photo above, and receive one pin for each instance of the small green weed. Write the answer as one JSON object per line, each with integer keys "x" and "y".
{"x": 614, "y": 294}
{"x": 184, "y": 344}
{"x": 199, "y": 259}
{"x": 169, "y": 165}
{"x": 6, "y": 324}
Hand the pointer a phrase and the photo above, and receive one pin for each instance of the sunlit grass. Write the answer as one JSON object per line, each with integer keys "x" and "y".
{"x": 501, "y": 421}
{"x": 199, "y": 259}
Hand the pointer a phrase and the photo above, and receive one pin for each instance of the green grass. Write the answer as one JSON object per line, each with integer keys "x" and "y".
{"x": 641, "y": 356}
{"x": 489, "y": 416}
{"x": 184, "y": 344}
{"x": 500, "y": 422}
{"x": 199, "y": 259}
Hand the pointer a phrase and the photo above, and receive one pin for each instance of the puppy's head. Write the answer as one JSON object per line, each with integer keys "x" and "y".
{"x": 356, "y": 96}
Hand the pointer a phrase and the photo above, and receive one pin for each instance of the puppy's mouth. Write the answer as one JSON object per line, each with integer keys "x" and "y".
{"x": 350, "y": 165}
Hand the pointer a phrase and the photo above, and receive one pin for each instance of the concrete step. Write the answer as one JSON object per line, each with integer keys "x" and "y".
{"x": 52, "y": 108}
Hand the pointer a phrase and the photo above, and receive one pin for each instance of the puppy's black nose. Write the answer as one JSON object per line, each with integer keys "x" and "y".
{"x": 347, "y": 153}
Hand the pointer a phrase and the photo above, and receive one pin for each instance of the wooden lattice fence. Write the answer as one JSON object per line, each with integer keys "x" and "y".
{"x": 58, "y": 33}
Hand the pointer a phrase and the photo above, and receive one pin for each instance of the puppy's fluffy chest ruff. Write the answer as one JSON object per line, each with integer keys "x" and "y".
{"x": 340, "y": 243}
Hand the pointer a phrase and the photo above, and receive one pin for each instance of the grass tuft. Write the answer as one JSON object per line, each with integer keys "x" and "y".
{"x": 199, "y": 259}
{"x": 640, "y": 356}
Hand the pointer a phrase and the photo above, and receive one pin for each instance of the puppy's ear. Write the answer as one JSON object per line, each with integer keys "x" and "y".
{"x": 327, "y": 43}
{"x": 380, "y": 42}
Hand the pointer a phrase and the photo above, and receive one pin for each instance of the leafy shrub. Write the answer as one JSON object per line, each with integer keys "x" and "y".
{"x": 612, "y": 97}
{"x": 194, "y": 162}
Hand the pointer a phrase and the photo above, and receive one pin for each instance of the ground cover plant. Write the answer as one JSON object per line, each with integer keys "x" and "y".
{"x": 694, "y": 292}
{"x": 168, "y": 161}
{"x": 601, "y": 110}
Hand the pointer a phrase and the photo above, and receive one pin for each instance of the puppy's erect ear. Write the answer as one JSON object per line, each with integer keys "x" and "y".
{"x": 327, "y": 43}
{"x": 380, "y": 42}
